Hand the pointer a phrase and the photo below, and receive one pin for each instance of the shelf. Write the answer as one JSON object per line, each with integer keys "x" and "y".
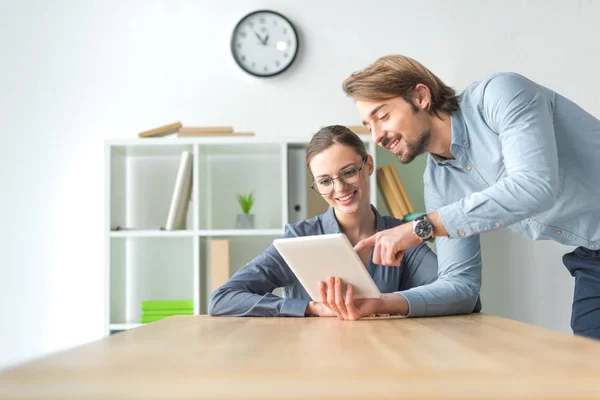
{"x": 144, "y": 262}
{"x": 225, "y": 171}
{"x": 202, "y": 140}
{"x": 141, "y": 183}
{"x": 151, "y": 233}
{"x": 241, "y": 232}
{"x": 124, "y": 327}
{"x": 149, "y": 268}
{"x": 203, "y": 232}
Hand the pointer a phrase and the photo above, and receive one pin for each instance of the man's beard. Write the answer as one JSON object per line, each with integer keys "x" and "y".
{"x": 414, "y": 149}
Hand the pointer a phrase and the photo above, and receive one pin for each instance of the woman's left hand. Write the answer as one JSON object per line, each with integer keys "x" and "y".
{"x": 344, "y": 306}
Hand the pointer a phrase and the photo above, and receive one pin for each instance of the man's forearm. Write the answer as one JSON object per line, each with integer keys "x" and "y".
{"x": 438, "y": 227}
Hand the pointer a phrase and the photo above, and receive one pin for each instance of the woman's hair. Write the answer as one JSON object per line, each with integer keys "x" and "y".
{"x": 395, "y": 75}
{"x": 334, "y": 134}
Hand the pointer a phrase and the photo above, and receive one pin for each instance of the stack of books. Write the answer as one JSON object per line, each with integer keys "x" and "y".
{"x": 394, "y": 193}
{"x": 155, "y": 310}
{"x": 191, "y": 131}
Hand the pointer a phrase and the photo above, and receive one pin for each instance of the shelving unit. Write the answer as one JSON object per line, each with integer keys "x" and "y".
{"x": 144, "y": 262}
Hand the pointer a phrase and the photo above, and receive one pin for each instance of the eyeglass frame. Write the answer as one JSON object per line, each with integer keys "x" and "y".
{"x": 362, "y": 164}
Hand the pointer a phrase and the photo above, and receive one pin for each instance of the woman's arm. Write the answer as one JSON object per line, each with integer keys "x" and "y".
{"x": 248, "y": 292}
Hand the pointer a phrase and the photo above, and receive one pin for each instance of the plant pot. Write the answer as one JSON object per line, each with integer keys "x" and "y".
{"x": 244, "y": 221}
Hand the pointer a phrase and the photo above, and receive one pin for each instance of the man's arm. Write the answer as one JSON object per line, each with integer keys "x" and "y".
{"x": 522, "y": 115}
{"x": 456, "y": 289}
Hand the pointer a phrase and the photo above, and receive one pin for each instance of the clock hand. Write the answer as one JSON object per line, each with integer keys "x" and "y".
{"x": 266, "y": 38}
{"x": 259, "y": 38}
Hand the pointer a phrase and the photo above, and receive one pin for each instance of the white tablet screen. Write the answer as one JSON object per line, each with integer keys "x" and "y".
{"x": 316, "y": 258}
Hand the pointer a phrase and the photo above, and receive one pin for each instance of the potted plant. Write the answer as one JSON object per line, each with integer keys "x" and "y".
{"x": 245, "y": 220}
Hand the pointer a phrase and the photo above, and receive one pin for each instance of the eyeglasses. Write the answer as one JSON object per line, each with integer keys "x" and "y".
{"x": 348, "y": 175}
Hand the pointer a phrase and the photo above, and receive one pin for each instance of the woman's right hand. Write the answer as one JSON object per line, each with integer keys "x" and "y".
{"x": 316, "y": 308}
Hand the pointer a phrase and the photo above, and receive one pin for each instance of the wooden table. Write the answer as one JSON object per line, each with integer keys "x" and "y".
{"x": 197, "y": 357}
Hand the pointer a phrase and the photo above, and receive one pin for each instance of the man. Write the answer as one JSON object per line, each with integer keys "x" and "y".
{"x": 507, "y": 152}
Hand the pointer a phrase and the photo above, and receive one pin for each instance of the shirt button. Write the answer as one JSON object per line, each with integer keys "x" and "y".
{"x": 461, "y": 233}
{"x": 468, "y": 167}
{"x": 558, "y": 232}
{"x": 528, "y": 220}
{"x": 592, "y": 246}
{"x": 497, "y": 224}
{"x": 465, "y": 143}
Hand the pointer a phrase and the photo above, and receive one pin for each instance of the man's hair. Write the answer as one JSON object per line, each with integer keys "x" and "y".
{"x": 330, "y": 135}
{"x": 395, "y": 75}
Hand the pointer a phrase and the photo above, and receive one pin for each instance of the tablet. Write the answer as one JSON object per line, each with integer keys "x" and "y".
{"x": 316, "y": 258}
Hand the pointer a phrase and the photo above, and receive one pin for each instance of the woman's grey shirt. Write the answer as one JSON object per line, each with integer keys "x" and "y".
{"x": 248, "y": 292}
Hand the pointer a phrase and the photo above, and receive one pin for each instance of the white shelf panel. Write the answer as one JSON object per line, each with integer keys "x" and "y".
{"x": 151, "y": 233}
{"x": 202, "y": 232}
{"x": 124, "y": 327}
{"x": 142, "y": 149}
{"x": 240, "y": 232}
{"x": 227, "y": 140}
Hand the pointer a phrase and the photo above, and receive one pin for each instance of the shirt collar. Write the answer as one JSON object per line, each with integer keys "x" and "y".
{"x": 330, "y": 224}
{"x": 459, "y": 137}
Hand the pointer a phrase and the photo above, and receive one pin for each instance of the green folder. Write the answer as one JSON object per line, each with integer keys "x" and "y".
{"x": 152, "y": 318}
{"x": 156, "y": 305}
{"x": 169, "y": 312}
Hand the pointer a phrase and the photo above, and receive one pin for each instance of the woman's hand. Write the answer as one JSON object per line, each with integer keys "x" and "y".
{"x": 344, "y": 306}
{"x": 318, "y": 309}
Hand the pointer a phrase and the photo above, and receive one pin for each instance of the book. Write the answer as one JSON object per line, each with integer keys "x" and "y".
{"x": 219, "y": 263}
{"x": 161, "y": 130}
{"x": 395, "y": 191}
{"x": 386, "y": 190}
{"x": 181, "y": 194}
{"x": 205, "y": 129}
{"x": 193, "y": 132}
{"x": 359, "y": 129}
{"x": 174, "y": 311}
{"x": 149, "y": 305}
{"x": 402, "y": 190}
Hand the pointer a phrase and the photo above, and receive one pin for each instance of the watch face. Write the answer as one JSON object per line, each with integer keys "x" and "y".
{"x": 423, "y": 229}
{"x": 264, "y": 43}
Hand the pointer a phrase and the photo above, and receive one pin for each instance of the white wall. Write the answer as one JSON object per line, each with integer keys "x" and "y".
{"x": 73, "y": 73}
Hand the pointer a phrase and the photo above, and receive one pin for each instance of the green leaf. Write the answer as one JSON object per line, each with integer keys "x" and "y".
{"x": 246, "y": 202}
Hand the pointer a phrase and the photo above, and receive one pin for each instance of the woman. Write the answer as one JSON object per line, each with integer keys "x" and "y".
{"x": 341, "y": 170}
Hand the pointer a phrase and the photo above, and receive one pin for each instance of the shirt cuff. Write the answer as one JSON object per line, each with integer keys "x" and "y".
{"x": 455, "y": 221}
{"x": 417, "y": 306}
{"x": 293, "y": 307}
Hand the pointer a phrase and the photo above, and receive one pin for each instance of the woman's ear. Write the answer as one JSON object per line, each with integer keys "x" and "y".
{"x": 371, "y": 164}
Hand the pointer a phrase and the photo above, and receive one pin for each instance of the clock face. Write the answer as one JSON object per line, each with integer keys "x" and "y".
{"x": 264, "y": 43}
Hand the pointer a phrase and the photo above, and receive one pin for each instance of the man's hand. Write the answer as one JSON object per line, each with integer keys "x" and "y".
{"x": 390, "y": 244}
{"x": 344, "y": 306}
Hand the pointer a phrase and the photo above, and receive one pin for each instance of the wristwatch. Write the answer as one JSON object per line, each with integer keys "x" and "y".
{"x": 423, "y": 229}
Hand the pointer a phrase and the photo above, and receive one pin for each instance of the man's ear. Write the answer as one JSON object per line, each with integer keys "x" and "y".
{"x": 422, "y": 97}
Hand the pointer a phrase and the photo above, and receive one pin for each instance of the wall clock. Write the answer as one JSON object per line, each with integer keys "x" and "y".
{"x": 264, "y": 43}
